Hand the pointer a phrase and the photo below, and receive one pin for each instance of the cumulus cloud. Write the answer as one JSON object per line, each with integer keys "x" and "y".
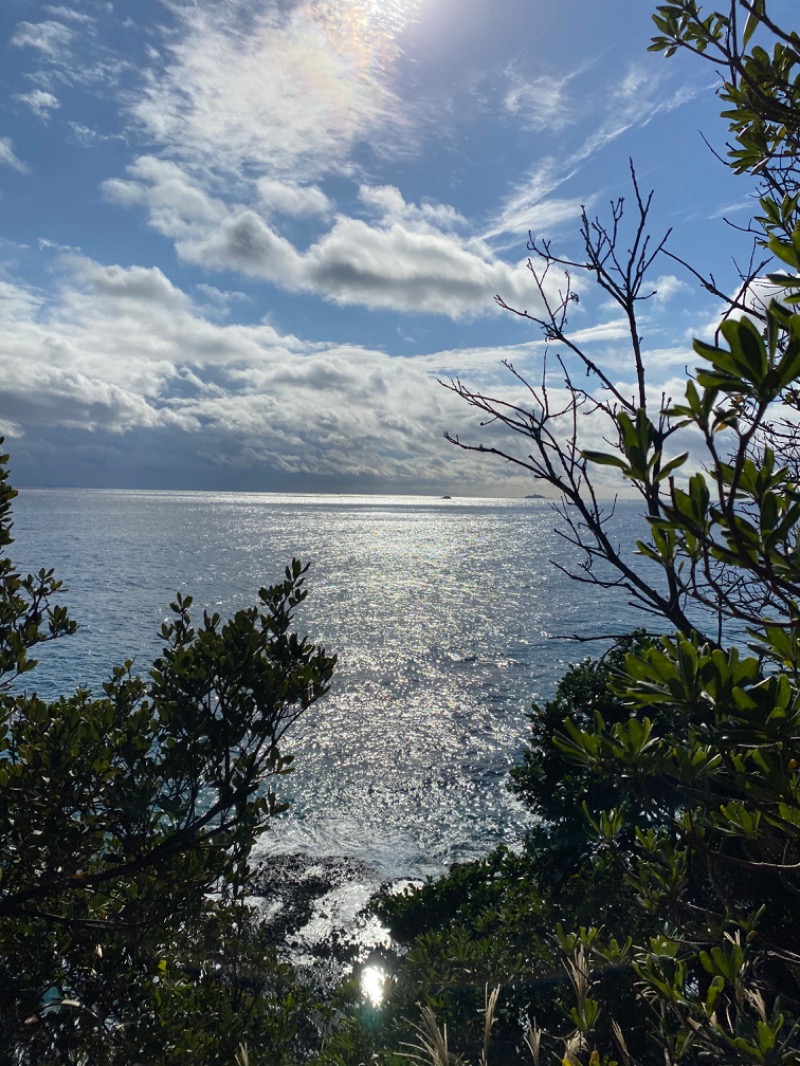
{"x": 666, "y": 286}
{"x": 289, "y": 198}
{"x": 177, "y": 206}
{"x": 388, "y": 203}
{"x": 409, "y": 270}
{"x": 17, "y": 303}
{"x": 408, "y": 261}
{"x": 355, "y": 263}
{"x": 125, "y": 353}
{"x": 218, "y": 302}
{"x": 245, "y": 242}
{"x": 85, "y": 134}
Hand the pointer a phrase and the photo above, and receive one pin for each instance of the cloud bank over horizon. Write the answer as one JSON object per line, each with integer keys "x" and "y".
{"x": 244, "y": 241}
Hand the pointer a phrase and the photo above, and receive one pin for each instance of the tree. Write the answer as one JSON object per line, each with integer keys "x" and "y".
{"x": 762, "y": 90}
{"x": 718, "y": 870}
{"x": 126, "y": 825}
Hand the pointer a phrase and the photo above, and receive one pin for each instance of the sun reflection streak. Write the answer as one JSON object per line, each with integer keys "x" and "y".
{"x": 373, "y": 984}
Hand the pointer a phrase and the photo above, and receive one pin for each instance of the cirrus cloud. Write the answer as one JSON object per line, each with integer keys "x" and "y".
{"x": 8, "y": 156}
{"x": 288, "y": 90}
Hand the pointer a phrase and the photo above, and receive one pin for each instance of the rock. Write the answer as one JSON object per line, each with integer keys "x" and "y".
{"x": 317, "y": 911}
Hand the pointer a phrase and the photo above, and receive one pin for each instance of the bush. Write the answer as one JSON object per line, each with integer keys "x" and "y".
{"x": 126, "y": 825}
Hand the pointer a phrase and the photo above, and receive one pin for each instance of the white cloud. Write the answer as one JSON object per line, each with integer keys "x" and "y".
{"x": 394, "y": 267}
{"x": 122, "y": 286}
{"x": 632, "y": 102}
{"x": 745, "y": 204}
{"x": 617, "y": 329}
{"x": 404, "y": 263}
{"x": 218, "y": 302}
{"x": 17, "y": 302}
{"x": 388, "y": 203}
{"x": 525, "y": 215}
{"x": 51, "y": 38}
{"x": 288, "y": 90}
{"x": 756, "y": 298}
{"x": 666, "y": 286}
{"x": 407, "y": 270}
{"x": 68, "y": 54}
{"x": 289, "y": 198}
{"x": 125, "y": 350}
{"x": 176, "y": 204}
{"x": 85, "y": 134}
{"x": 246, "y": 243}
{"x": 662, "y": 359}
{"x": 8, "y": 157}
{"x": 541, "y": 103}
{"x": 40, "y": 102}
{"x": 9, "y": 429}
{"x": 530, "y": 204}
{"x": 63, "y": 12}
{"x": 123, "y": 353}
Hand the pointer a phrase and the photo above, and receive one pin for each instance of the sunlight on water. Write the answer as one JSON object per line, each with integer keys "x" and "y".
{"x": 373, "y": 984}
{"x": 443, "y": 614}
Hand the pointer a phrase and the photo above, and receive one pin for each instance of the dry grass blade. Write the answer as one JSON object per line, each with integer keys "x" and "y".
{"x": 431, "y": 1048}
{"x": 533, "y": 1041}
{"x": 573, "y": 1049}
{"x": 620, "y": 1039}
{"x": 578, "y": 969}
{"x": 490, "y": 1005}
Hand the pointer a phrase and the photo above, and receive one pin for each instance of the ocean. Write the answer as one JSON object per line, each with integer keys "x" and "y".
{"x": 449, "y": 618}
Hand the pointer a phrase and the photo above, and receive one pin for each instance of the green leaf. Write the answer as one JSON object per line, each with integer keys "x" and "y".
{"x": 604, "y": 459}
{"x": 753, "y": 21}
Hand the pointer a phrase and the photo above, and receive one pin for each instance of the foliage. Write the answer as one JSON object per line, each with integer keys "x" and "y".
{"x": 126, "y": 824}
{"x": 571, "y": 803}
{"x": 702, "y": 771}
{"x": 493, "y": 922}
{"x": 761, "y": 88}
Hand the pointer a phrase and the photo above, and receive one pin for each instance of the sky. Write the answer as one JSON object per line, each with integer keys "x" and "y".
{"x": 242, "y": 241}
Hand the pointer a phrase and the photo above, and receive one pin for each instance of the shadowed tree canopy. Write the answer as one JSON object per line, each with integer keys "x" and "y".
{"x": 127, "y": 820}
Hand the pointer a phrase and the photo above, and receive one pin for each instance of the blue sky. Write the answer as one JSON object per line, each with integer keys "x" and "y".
{"x": 240, "y": 241}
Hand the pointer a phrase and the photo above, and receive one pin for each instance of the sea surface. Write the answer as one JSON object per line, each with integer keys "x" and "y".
{"x": 449, "y": 618}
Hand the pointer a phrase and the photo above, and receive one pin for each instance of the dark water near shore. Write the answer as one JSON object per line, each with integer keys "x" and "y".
{"x": 448, "y": 618}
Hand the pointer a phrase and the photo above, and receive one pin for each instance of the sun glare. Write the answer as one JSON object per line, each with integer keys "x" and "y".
{"x": 373, "y": 984}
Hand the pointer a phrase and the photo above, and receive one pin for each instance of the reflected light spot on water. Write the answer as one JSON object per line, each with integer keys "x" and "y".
{"x": 373, "y": 982}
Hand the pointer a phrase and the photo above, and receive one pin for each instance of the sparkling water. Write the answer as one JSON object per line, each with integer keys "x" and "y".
{"x": 448, "y": 617}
